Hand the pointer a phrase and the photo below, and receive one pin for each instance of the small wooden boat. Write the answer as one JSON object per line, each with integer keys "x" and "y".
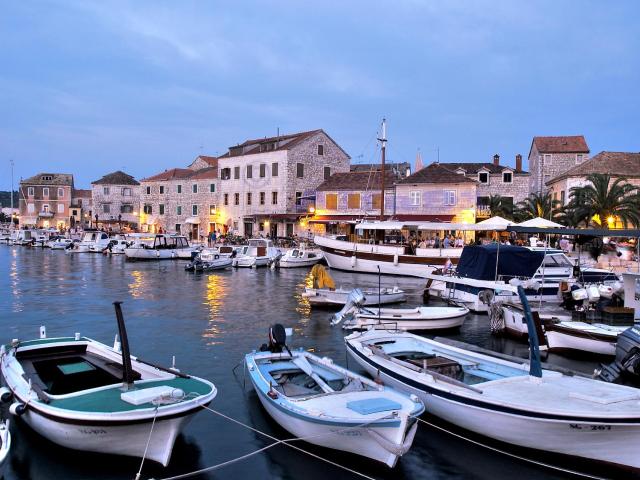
{"x": 259, "y": 253}
{"x": 339, "y": 296}
{"x": 5, "y": 445}
{"x": 327, "y": 405}
{"x": 509, "y": 401}
{"x": 299, "y": 257}
{"x": 595, "y": 338}
{"x": 84, "y": 395}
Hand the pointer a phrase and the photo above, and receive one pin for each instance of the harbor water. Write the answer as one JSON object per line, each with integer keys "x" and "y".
{"x": 209, "y": 322}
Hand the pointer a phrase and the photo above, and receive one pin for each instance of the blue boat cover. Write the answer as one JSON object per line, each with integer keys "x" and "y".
{"x": 373, "y": 405}
{"x": 479, "y": 262}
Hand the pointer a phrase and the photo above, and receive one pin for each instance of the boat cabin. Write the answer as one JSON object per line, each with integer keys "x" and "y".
{"x": 167, "y": 242}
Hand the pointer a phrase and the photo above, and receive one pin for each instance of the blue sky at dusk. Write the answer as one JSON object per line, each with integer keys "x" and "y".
{"x": 91, "y": 87}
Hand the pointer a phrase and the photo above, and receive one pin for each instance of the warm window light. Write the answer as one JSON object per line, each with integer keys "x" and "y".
{"x": 312, "y": 209}
{"x": 266, "y": 223}
{"x": 212, "y": 211}
{"x": 611, "y": 220}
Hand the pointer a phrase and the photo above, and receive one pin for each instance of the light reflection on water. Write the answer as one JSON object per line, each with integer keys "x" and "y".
{"x": 215, "y": 294}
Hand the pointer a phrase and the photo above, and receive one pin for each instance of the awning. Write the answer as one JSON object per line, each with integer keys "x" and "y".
{"x": 193, "y": 220}
{"x": 592, "y": 232}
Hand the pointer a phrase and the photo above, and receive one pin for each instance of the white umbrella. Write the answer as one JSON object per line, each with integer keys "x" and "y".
{"x": 540, "y": 222}
{"x": 494, "y": 223}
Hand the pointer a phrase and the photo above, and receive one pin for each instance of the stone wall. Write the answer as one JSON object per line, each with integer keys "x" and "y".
{"x": 115, "y": 197}
{"x": 31, "y": 206}
{"x": 518, "y": 189}
{"x": 549, "y": 166}
{"x": 432, "y": 199}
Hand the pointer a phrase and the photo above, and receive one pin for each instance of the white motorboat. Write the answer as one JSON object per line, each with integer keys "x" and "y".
{"x": 5, "y": 445}
{"x": 84, "y": 395}
{"x": 260, "y": 252}
{"x": 339, "y": 296}
{"x": 59, "y": 243}
{"x": 327, "y": 405}
{"x": 300, "y": 257}
{"x": 506, "y": 400}
{"x": 117, "y": 246}
{"x": 24, "y": 237}
{"x": 214, "y": 262}
{"x": 356, "y": 316}
{"x": 159, "y": 247}
{"x": 228, "y": 251}
{"x": 94, "y": 241}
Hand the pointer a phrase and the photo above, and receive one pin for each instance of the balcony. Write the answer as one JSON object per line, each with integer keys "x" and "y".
{"x": 45, "y": 214}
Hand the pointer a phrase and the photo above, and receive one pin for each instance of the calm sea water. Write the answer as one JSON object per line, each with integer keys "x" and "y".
{"x": 209, "y": 321}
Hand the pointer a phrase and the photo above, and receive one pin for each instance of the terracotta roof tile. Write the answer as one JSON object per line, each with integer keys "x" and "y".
{"x": 436, "y": 173}
{"x": 475, "y": 167}
{"x": 359, "y": 181}
{"x": 617, "y": 164}
{"x": 571, "y": 144}
{"x": 205, "y": 173}
{"x": 81, "y": 193}
{"x": 173, "y": 174}
{"x": 116, "y": 178}
{"x": 212, "y": 161}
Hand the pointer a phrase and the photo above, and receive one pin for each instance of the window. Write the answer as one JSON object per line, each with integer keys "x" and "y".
{"x": 47, "y": 177}
{"x": 262, "y": 200}
{"x": 300, "y": 170}
{"x": 31, "y": 208}
{"x": 45, "y": 192}
{"x": 263, "y": 170}
{"x": 236, "y": 199}
{"x": 507, "y": 177}
{"x": 45, "y": 208}
{"x": 178, "y": 188}
{"x": 61, "y": 193}
{"x": 353, "y": 200}
{"x": 236, "y": 173}
{"x": 161, "y": 209}
{"x": 261, "y": 226}
{"x": 327, "y": 173}
{"x": 61, "y": 208}
{"x": 248, "y": 198}
{"x": 274, "y": 198}
{"x": 579, "y": 158}
{"x": 178, "y": 228}
{"x": 148, "y": 209}
{"x": 226, "y": 199}
{"x": 126, "y": 208}
{"x": 274, "y": 169}
{"x": 298, "y": 198}
{"x": 79, "y": 201}
{"x": 106, "y": 208}
{"x": 194, "y": 188}
{"x": 320, "y": 149}
{"x": 74, "y": 213}
{"x": 194, "y": 210}
{"x": 449, "y": 197}
{"x": 555, "y": 196}
{"x": 331, "y": 201}
{"x": 415, "y": 198}
{"x": 179, "y": 210}
{"x": 249, "y": 171}
{"x": 31, "y": 191}
{"x": 148, "y": 190}
{"x": 225, "y": 173}
{"x": 376, "y": 201}
{"x": 126, "y": 192}
{"x": 483, "y": 177}
{"x": 547, "y": 159}
{"x": 212, "y": 209}
{"x": 161, "y": 189}
{"x": 562, "y": 197}
{"x": 212, "y": 188}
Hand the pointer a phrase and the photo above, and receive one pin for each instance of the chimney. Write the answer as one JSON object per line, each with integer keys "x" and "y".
{"x": 518, "y": 163}
{"x": 496, "y": 159}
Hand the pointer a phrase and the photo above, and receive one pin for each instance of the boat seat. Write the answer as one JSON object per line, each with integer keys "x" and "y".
{"x": 434, "y": 362}
{"x": 373, "y": 405}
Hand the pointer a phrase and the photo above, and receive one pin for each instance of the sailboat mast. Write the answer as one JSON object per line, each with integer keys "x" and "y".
{"x": 383, "y": 148}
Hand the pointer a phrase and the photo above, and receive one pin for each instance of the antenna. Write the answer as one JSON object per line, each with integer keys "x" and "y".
{"x": 383, "y": 148}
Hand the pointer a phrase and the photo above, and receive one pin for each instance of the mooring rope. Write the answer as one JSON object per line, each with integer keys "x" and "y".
{"x": 146, "y": 448}
{"x": 513, "y": 455}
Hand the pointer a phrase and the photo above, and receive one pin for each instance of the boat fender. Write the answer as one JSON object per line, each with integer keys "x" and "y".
{"x": 327, "y": 360}
{"x": 395, "y": 260}
{"x": 17, "y": 409}
{"x": 353, "y": 261}
{"x": 5, "y": 395}
{"x": 216, "y": 256}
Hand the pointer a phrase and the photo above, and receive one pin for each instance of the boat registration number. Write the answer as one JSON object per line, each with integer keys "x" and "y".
{"x": 589, "y": 428}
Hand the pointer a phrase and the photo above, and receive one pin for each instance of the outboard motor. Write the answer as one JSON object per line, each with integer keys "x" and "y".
{"x": 355, "y": 300}
{"x": 277, "y": 340}
{"x": 627, "y": 362}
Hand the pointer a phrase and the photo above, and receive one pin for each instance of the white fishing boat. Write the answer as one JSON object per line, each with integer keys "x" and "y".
{"x": 117, "y": 246}
{"x": 339, "y": 296}
{"x": 327, "y": 405}
{"x": 300, "y": 257}
{"x": 159, "y": 247}
{"x": 5, "y": 445}
{"x": 507, "y": 400}
{"x": 94, "y": 241}
{"x": 355, "y": 316}
{"x": 206, "y": 262}
{"x": 228, "y": 251}
{"x": 260, "y": 252}
{"x": 24, "y": 237}
{"x": 60, "y": 243}
{"x": 84, "y": 395}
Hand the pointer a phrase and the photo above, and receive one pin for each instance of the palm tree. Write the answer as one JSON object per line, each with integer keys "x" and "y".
{"x": 537, "y": 205}
{"x": 604, "y": 200}
{"x": 498, "y": 206}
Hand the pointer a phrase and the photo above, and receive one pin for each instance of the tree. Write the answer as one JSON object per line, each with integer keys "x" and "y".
{"x": 537, "y": 205}
{"x": 605, "y": 200}
{"x": 498, "y": 206}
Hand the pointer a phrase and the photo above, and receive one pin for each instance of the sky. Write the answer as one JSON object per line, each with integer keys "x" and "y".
{"x": 142, "y": 86}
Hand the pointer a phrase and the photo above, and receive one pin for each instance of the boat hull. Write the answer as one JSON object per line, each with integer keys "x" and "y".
{"x": 386, "y": 322}
{"x": 339, "y": 297}
{"x": 152, "y": 254}
{"x": 289, "y": 263}
{"x": 560, "y": 339}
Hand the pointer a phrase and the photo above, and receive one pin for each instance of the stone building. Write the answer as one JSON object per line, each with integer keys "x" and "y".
{"x": 511, "y": 183}
{"x": 45, "y": 200}
{"x": 350, "y": 196}
{"x": 267, "y": 184}
{"x": 552, "y": 156}
{"x": 182, "y": 200}
{"x": 616, "y": 164}
{"x": 116, "y": 198}
{"x": 436, "y": 193}
{"x": 81, "y": 208}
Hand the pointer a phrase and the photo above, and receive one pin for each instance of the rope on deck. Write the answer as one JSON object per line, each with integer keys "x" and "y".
{"x": 513, "y": 455}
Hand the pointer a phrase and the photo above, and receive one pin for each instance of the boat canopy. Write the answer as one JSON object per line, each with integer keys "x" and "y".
{"x": 479, "y": 261}
{"x": 434, "y": 226}
{"x": 590, "y": 232}
{"x": 388, "y": 225}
